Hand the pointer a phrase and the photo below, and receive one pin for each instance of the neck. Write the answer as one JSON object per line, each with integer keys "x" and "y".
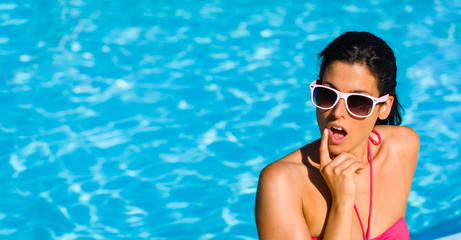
{"x": 361, "y": 151}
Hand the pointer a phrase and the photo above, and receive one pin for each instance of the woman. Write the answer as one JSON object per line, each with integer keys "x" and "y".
{"x": 354, "y": 182}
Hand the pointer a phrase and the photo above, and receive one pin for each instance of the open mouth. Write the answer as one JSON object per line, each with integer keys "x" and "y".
{"x": 338, "y": 133}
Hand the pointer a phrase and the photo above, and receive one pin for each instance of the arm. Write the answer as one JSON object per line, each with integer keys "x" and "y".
{"x": 410, "y": 141}
{"x": 339, "y": 174}
{"x": 278, "y": 208}
{"x": 339, "y": 222}
{"x": 408, "y": 144}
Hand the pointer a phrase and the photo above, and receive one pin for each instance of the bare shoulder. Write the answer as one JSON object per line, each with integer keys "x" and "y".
{"x": 290, "y": 169}
{"x": 400, "y": 137}
{"x": 283, "y": 171}
{"x": 278, "y": 206}
{"x": 402, "y": 144}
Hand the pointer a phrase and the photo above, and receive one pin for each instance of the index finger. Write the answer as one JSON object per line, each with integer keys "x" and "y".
{"x": 324, "y": 153}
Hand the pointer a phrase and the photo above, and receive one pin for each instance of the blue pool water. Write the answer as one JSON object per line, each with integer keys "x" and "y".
{"x": 152, "y": 119}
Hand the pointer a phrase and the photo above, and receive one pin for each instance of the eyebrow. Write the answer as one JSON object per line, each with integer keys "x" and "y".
{"x": 354, "y": 91}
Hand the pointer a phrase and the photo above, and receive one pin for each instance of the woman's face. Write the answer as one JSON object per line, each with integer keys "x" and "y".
{"x": 348, "y": 133}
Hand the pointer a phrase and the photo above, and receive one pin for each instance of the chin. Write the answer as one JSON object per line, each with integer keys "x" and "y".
{"x": 335, "y": 150}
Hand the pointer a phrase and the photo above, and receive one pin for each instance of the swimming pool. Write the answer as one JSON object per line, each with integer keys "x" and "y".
{"x": 152, "y": 120}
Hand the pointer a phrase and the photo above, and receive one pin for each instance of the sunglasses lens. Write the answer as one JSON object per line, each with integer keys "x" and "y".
{"x": 359, "y": 105}
{"x": 324, "y": 97}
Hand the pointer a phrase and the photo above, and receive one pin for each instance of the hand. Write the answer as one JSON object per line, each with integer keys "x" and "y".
{"x": 339, "y": 173}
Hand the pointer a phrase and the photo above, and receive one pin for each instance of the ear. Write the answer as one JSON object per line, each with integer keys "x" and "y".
{"x": 386, "y": 108}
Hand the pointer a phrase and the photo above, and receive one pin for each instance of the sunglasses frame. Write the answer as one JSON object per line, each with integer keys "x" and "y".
{"x": 344, "y": 96}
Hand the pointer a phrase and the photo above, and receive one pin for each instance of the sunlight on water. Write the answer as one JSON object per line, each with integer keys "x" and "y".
{"x": 153, "y": 120}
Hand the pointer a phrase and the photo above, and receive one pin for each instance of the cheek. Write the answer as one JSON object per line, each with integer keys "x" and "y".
{"x": 362, "y": 129}
{"x": 375, "y": 115}
{"x": 321, "y": 119}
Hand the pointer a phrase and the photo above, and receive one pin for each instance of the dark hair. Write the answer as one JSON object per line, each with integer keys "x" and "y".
{"x": 370, "y": 50}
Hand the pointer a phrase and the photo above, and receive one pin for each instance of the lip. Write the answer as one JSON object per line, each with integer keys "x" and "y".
{"x": 331, "y": 135}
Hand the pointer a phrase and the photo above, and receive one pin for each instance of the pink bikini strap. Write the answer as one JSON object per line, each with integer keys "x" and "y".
{"x": 367, "y": 236}
{"x": 374, "y": 141}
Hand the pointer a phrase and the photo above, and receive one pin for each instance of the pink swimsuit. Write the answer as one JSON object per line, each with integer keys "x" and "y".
{"x": 397, "y": 231}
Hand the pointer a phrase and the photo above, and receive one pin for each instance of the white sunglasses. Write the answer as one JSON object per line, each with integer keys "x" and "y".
{"x": 359, "y": 105}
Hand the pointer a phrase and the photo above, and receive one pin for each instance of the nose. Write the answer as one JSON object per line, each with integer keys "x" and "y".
{"x": 340, "y": 110}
